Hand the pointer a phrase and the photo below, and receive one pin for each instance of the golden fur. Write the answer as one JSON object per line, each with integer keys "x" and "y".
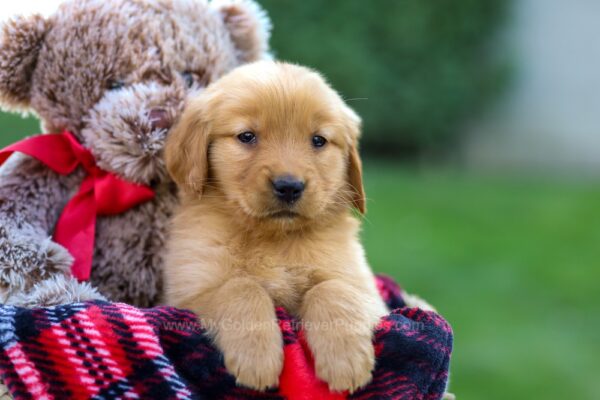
{"x": 236, "y": 251}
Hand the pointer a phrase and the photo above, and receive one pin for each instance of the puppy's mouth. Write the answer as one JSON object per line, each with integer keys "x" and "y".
{"x": 284, "y": 214}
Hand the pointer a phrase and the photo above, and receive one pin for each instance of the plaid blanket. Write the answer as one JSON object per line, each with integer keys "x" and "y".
{"x": 104, "y": 350}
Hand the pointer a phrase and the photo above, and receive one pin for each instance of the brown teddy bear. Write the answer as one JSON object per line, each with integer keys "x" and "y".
{"x": 115, "y": 74}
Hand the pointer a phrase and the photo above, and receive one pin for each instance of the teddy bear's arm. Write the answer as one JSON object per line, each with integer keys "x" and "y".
{"x": 31, "y": 199}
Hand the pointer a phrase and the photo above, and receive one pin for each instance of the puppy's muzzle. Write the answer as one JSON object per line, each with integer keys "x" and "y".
{"x": 288, "y": 189}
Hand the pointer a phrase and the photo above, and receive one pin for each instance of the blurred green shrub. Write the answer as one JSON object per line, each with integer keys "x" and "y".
{"x": 424, "y": 66}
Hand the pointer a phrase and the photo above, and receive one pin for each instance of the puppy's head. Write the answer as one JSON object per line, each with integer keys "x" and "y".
{"x": 274, "y": 140}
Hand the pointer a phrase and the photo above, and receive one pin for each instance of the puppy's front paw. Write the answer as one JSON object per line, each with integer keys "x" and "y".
{"x": 345, "y": 362}
{"x": 256, "y": 361}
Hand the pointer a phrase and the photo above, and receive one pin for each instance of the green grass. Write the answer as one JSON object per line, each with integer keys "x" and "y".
{"x": 511, "y": 263}
{"x": 13, "y": 128}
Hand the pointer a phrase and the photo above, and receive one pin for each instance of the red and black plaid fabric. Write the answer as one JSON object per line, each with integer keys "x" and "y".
{"x": 101, "y": 350}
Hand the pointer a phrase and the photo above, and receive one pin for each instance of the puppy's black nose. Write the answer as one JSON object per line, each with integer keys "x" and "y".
{"x": 288, "y": 189}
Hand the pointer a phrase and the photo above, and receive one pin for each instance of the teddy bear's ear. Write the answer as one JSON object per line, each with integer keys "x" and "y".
{"x": 249, "y": 27}
{"x": 20, "y": 42}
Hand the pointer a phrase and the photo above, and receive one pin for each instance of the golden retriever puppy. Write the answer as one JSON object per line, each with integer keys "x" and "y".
{"x": 267, "y": 162}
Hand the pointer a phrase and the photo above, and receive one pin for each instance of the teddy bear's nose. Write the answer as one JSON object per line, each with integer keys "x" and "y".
{"x": 160, "y": 118}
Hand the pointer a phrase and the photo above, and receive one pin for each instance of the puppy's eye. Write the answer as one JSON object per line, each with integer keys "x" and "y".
{"x": 247, "y": 137}
{"x": 115, "y": 84}
{"x": 318, "y": 141}
{"x": 188, "y": 78}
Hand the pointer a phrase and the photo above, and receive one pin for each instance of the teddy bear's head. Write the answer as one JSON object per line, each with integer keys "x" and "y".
{"x": 116, "y": 73}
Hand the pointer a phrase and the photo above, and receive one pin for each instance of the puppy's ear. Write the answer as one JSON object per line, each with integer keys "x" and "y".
{"x": 20, "y": 43}
{"x": 355, "y": 180}
{"x": 186, "y": 150}
{"x": 249, "y": 27}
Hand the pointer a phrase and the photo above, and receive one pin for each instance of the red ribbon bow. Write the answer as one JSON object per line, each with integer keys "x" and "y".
{"x": 100, "y": 193}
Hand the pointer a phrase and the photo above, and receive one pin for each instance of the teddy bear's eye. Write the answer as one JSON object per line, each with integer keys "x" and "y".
{"x": 188, "y": 78}
{"x": 115, "y": 84}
